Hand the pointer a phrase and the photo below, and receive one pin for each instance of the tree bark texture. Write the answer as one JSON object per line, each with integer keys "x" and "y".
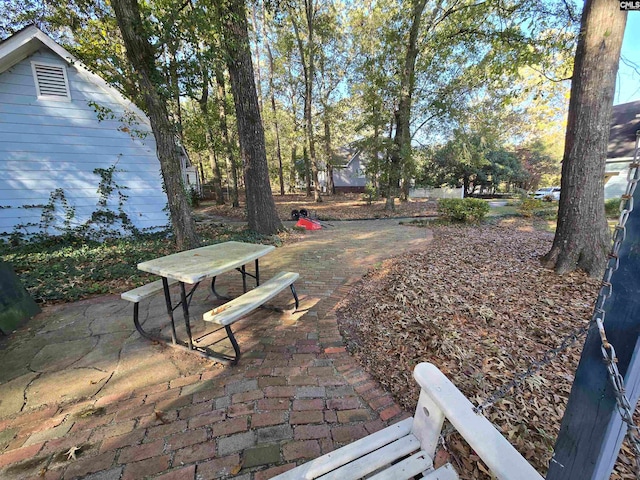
{"x": 142, "y": 57}
{"x": 221, "y": 94}
{"x": 401, "y": 150}
{"x": 208, "y": 134}
{"x": 582, "y": 238}
{"x": 307, "y": 60}
{"x": 261, "y": 209}
{"x": 275, "y": 112}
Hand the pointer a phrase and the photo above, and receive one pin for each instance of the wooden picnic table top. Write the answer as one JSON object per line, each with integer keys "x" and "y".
{"x": 192, "y": 266}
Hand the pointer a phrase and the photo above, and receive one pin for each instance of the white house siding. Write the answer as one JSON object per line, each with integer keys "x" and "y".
{"x": 47, "y": 145}
{"x": 350, "y": 176}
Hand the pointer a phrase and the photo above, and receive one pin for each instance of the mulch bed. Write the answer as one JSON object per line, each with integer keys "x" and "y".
{"x": 477, "y": 304}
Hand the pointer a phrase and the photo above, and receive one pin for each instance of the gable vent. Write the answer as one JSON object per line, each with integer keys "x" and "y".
{"x": 51, "y": 81}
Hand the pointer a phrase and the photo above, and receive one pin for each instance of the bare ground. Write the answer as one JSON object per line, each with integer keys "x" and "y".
{"x": 333, "y": 207}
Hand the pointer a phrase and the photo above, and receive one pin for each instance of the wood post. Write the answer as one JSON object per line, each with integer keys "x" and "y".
{"x": 592, "y": 430}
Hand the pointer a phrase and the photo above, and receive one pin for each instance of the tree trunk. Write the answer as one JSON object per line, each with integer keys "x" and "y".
{"x": 208, "y": 134}
{"x": 256, "y": 28}
{"x": 292, "y": 171}
{"x": 331, "y": 188}
{"x": 142, "y": 58}
{"x": 307, "y": 61}
{"x": 307, "y": 169}
{"x": 401, "y": 150}
{"x": 221, "y": 95}
{"x": 275, "y": 113}
{"x": 261, "y": 209}
{"x": 582, "y": 237}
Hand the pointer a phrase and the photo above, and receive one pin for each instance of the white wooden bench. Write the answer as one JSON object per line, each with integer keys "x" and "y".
{"x": 246, "y": 303}
{"x": 405, "y": 449}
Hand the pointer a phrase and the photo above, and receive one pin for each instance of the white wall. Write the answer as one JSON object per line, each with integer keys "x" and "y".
{"x": 45, "y": 145}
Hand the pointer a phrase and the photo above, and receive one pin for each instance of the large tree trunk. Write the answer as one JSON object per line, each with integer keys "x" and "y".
{"x": 142, "y": 57}
{"x": 221, "y": 95}
{"x": 261, "y": 209}
{"x": 582, "y": 238}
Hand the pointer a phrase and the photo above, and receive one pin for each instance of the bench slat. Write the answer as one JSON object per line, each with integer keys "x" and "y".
{"x": 407, "y": 468}
{"x": 445, "y": 472}
{"x": 375, "y": 460}
{"x": 239, "y": 307}
{"x": 144, "y": 291}
{"x": 348, "y": 453}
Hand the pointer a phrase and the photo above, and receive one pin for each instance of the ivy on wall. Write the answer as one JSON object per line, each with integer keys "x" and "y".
{"x": 59, "y": 216}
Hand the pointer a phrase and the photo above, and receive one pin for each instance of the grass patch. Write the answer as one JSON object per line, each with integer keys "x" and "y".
{"x": 66, "y": 269}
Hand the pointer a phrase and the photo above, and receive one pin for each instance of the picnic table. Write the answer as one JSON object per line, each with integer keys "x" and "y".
{"x": 189, "y": 268}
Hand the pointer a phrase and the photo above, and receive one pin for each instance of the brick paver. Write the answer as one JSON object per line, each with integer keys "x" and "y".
{"x": 160, "y": 413}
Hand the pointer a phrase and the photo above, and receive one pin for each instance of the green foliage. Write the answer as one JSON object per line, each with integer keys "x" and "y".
{"x": 67, "y": 268}
{"x": 465, "y": 210}
{"x": 612, "y": 208}
{"x": 528, "y": 206}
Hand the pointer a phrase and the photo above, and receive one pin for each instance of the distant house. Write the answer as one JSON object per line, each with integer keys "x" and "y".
{"x": 625, "y": 122}
{"x": 349, "y": 170}
{"x": 73, "y": 149}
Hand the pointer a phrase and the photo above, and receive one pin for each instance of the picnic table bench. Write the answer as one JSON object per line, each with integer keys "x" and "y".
{"x": 190, "y": 268}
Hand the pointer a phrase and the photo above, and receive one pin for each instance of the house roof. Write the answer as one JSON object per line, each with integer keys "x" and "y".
{"x": 625, "y": 122}
{"x": 344, "y": 155}
{"x": 30, "y": 39}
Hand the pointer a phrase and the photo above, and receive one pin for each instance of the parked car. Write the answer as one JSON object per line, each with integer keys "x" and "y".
{"x": 548, "y": 194}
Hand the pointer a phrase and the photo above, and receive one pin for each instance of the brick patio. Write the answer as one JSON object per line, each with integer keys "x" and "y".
{"x": 138, "y": 410}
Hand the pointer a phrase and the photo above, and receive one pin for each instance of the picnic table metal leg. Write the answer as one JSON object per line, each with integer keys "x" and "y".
{"x": 167, "y": 297}
{"x": 257, "y": 274}
{"x": 243, "y": 271}
{"x": 236, "y": 347}
{"x": 295, "y": 296}
{"x": 185, "y": 311}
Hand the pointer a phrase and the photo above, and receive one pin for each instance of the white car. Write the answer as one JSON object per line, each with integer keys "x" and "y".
{"x": 548, "y": 193}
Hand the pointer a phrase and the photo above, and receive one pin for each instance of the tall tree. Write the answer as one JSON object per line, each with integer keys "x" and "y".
{"x": 142, "y": 56}
{"x": 307, "y": 57}
{"x": 261, "y": 209}
{"x": 582, "y": 237}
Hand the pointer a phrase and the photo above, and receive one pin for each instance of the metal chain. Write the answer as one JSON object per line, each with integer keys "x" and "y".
{"x": 608, "y": 351}
{"x": 597, "y": 321}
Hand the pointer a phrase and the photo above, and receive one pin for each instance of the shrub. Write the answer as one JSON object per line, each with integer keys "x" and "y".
{"x": 463, "y": 209}
{"x": 612, "y": 207}
{"x": 528, "y": 206}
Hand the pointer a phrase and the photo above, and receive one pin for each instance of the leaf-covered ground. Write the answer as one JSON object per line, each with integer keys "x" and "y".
{"x": 333, "y": 207}
{"x": 477, "y": 304}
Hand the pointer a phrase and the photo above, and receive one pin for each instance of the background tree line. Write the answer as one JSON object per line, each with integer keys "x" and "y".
{"x": 464, "y": 92}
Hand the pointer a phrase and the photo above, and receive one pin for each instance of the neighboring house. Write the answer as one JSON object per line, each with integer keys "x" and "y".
{"x": 72, "y": 146}
{"x": 349, "y": 170}
{"x": 625, "y": 122}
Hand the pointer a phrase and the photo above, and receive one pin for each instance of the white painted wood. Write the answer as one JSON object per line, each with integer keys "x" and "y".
{"x": 348, "y": 453}
{"x": 503, "y": 460}
{"x": 407, "y": 468}
{"x": 427, "y": 423}
{"x": 140, "y": 293}
{"x": 445, "y": 472}
{"x": 244, "y": 304}
{"x": 192, "y": 266}
{"x": 375, "y": 460}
